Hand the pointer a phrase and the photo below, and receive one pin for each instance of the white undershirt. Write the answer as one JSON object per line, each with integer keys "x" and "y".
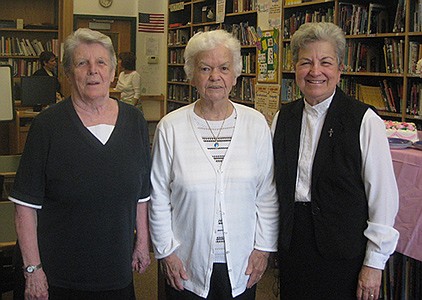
{"x": 102, "y": 132}
{"x": 223, "y": 137}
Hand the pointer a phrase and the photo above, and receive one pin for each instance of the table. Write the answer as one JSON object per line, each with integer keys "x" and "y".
{"x": 408, "y": 170}
{"x": 114, "y": 93}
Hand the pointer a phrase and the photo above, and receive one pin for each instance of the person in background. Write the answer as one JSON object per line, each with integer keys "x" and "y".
{"x": 48, "y": 63}
{"x": 213, "y": 208}
{"x": 83, "y": 184}
{"x": 335, "y": 181}
{"x": 129, "y": 81}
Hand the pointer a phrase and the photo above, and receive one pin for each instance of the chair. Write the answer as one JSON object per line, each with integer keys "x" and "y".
{"x": 7, "y": 244}
{"x": 8, "y": 167}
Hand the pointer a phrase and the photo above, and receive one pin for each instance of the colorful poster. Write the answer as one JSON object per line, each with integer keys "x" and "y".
{"x": 268, "y": 57}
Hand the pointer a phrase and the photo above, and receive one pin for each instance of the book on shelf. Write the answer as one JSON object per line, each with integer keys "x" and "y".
{"x": 400, "y": 16}
{"x": 371, "y": 95}
{"x": 359, "y": 19}
{"x": 414, "y": 102}
{"x": 7, "y": 24}
{"x": 289, "y": 90}
{"x": 415, "y": 53}
{"x": 377, "y": 18}
{"x": 345, "y": 16}
{"x": 417, "y": 16}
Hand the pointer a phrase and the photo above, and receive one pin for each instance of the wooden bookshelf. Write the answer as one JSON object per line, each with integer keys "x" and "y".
{"x": 402, "y": 276}
{"x": 187, "y": 18}
{"x": 45, "y": 21}
{"x": 378, "y": 47}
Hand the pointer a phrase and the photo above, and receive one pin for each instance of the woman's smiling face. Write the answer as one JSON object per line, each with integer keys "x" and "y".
{"x": 317, "y": 71}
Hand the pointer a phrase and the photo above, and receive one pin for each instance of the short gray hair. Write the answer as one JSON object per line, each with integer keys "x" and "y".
{"x": 321, "y": 31}
{"x": 86, "y": 36}
{"x": 209, "y": 40}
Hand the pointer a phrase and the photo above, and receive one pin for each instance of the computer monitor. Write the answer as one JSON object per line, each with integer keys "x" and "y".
{"x": 38, "y": 91}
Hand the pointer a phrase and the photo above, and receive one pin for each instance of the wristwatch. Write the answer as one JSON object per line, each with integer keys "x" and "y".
{"x": 31, "y": 268}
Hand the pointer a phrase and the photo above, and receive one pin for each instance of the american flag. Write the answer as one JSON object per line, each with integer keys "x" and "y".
{"x": 151, "y": 23}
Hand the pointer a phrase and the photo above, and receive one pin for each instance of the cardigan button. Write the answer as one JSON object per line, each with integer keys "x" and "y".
{"x": 315, "y": 210}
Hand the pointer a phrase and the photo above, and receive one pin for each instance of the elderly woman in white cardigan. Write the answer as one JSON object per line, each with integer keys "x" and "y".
{"x": 213, "y": 211}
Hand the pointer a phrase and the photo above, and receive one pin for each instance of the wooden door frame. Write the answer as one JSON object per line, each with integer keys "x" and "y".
{"x": 131, "y": 20}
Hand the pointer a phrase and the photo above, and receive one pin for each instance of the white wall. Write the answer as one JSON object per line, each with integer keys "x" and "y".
{"x": 153, "y": 76}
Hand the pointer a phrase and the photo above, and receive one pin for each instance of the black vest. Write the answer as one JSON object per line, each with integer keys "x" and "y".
{"x": 339, "y": 204}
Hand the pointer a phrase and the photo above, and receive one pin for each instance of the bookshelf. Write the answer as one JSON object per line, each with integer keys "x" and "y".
{"x": 187, "y": 18}
{"x": 29, "y": 27}
{"x": 384, "y": 42}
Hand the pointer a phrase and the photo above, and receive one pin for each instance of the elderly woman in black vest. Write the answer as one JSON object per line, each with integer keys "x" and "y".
{"x": 335, "y": 181}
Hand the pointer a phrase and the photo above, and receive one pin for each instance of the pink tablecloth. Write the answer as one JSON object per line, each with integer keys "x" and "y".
{"x": 408, "y": 169}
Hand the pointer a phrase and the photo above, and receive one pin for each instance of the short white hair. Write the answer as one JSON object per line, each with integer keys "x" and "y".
{"x": 209, "y": 40}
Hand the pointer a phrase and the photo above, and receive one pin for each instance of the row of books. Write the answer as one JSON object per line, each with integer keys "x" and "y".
{"x": 293, "y": 22}
{"x": 386, "y": 96}
{"x": 249, "y": 62}
{"x": 205, "y": 28}
{"x": 362, "y": 57}
{"x": 244, "y": 32}
{"x": 244, "y": 5}
{"x": 417, "y": 16}
{"x": 244, "y": 90}
{"x": 402, "y": 278}
{"x": 363, "y": 19}
{"x": 367, "y": 56}
{"x": 178, "y": 37}
{"x": 415, "y": 54}
{"x": 25, "y": 47}
{"x": 393, "y": 55}
{"x": 176, "y": 56}
{"x": 178, "y": 92}
{"x": 173, "y": 106}
{"x": 289, "y": 91}
{"x": 414, "y": 100}
{"x": 21, "y": 67}
{"x": 177, "y": 75}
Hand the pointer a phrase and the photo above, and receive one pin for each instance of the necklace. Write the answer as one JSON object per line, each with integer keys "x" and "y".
{"x": 216, "y": 143}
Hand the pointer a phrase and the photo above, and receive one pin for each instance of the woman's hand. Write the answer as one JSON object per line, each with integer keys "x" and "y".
{"x": 141, "y": 258}
{"x": 36, "y": 286}
{"x": 369, "y": 283}
{"x": 174, "y": 271}
{"x": 257, "y": 264}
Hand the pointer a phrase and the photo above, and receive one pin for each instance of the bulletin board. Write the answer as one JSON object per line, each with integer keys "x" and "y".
{"x": 6, "y": 96}
{"x": 268, "y": 57}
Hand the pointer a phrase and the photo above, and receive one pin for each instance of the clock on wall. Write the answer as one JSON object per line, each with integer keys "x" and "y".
{"x": 106, "y": 3}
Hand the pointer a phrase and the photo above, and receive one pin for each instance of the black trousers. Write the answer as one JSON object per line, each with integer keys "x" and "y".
{"x": 220, "y": 288}
{"x": 306, "y": 275}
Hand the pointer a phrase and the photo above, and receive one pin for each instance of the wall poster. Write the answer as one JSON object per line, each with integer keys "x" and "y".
{"x": 268, "y": 58}
{"x": 267, "y": 100}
